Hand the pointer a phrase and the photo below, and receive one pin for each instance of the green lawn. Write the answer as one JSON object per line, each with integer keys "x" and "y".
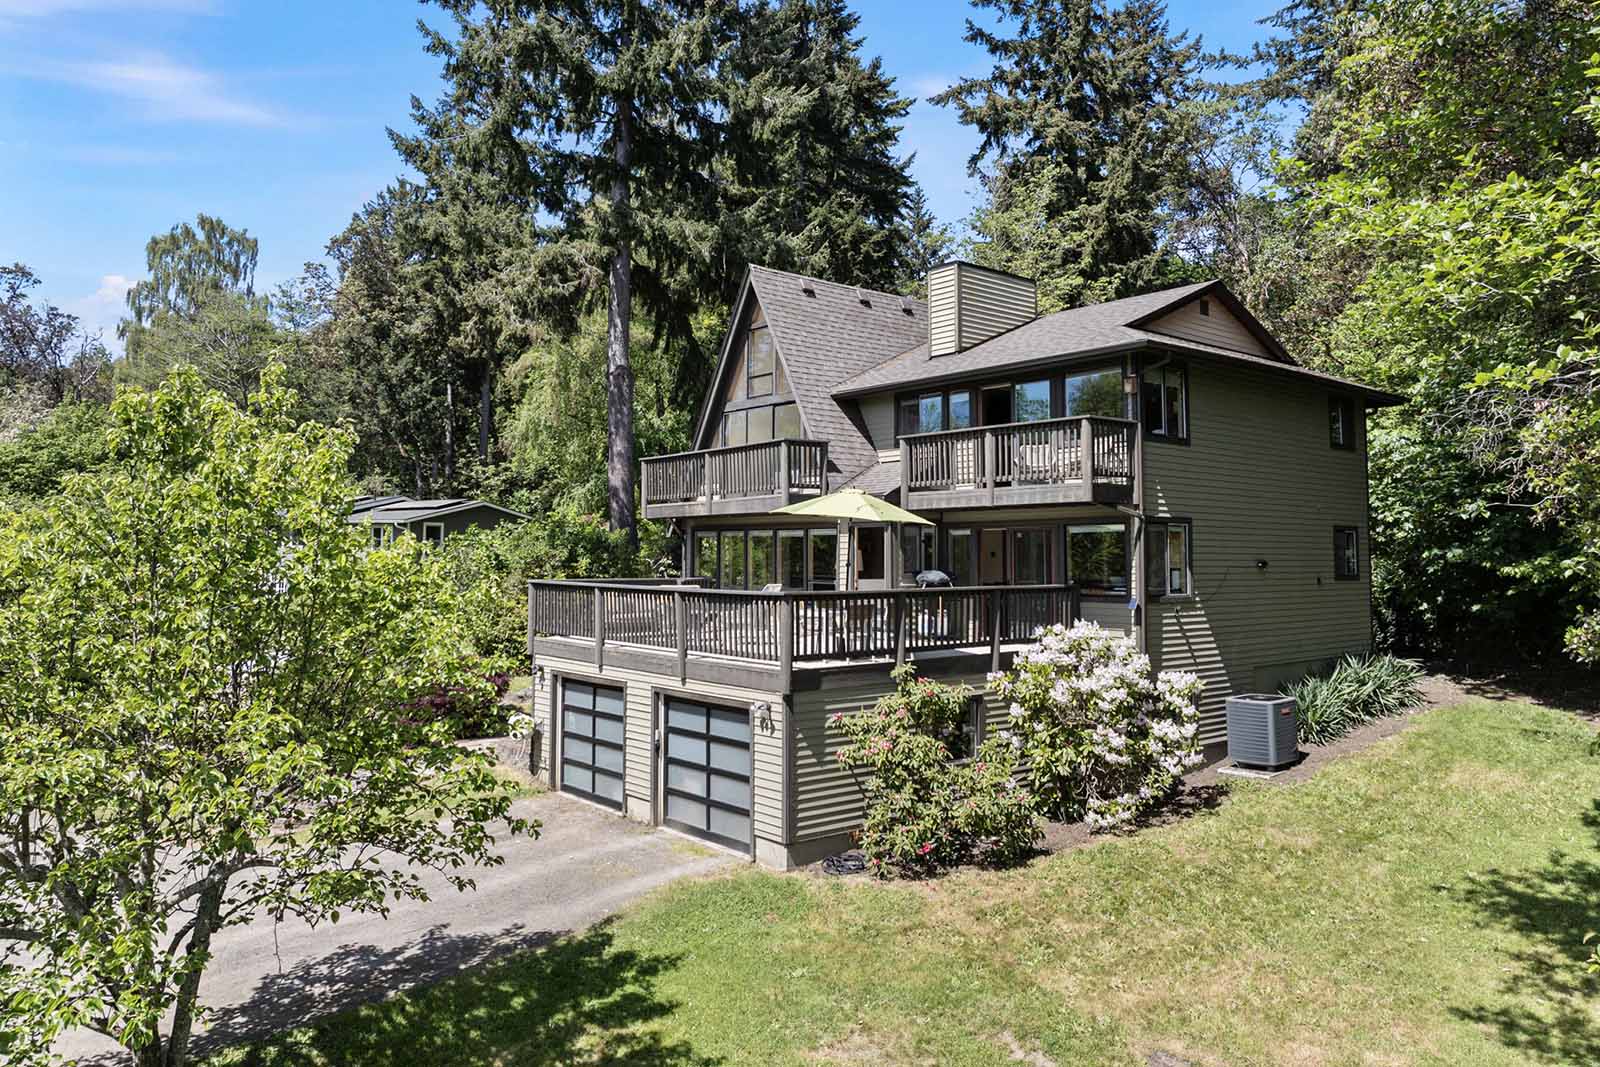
{"x": 1423, "y": 902}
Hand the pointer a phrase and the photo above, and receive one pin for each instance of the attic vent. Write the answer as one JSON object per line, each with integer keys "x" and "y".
{"x": 1205, "y": 307}
{"x": 808, "y": 287}
{"x": 907, "y": 306}
{"x": 862, "y": 298}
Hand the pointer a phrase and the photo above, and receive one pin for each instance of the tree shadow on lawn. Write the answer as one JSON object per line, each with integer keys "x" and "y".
{"x": 1550, "y": 906}
{"x": 528, "y": 1009}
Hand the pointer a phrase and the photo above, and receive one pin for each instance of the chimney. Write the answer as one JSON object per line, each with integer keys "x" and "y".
{"x": 968, "y": 304}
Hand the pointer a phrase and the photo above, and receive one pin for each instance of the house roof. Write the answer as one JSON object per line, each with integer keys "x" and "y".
{"x": 880, "y": 479}
{"x": 1094, "y": 329}
{"x": 402, "y": 511}
{"x": 825, "y": 333}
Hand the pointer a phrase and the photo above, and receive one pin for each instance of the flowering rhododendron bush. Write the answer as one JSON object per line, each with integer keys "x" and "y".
{"x": 925, "y": 811}
{"x": 1103, "y": 737}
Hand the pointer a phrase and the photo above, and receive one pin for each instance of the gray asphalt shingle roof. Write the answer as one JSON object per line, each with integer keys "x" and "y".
{"x": 401, "y": 510}
{"x": 882, "y": 479}
{"x": 825, "y": 336}
{"x": 1083, "y": 330}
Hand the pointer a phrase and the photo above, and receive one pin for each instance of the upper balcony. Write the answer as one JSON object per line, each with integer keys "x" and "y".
{"x": 1083, "y": 459}
{"x": 736, "y": 480}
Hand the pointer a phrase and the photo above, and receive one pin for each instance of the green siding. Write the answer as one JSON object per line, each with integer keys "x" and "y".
{"x": 1260, "y": 482}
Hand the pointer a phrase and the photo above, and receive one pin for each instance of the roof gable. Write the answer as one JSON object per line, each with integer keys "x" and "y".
{"x": 1235, "y": 328}
{"x": 823, "y": 332}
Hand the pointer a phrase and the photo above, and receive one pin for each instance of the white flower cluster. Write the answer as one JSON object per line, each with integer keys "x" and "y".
{"x": 520, "y": 725}
{"x": 1106, "y": 734}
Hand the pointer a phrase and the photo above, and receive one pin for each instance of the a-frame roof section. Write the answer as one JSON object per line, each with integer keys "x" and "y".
{"x": 825, "y": 333}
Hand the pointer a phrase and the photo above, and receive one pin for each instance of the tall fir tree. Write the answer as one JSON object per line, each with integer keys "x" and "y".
{"x": 814, "y": 181}
{"x": 600, "y": 116}
{"x": 925, "y": 242}
{"x": 1086, "y": 134}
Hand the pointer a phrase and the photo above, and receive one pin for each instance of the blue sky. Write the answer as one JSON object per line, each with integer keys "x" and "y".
{"x": 118, "y": 118}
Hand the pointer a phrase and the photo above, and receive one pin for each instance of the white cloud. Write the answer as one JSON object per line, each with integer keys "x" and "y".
{"x": 101, "y": 310}
{"x": 44, "y": 8}
{"x": 926, "y": 85}
{"x": 165, "y": 90}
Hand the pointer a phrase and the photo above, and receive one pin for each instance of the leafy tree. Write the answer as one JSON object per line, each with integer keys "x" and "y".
{"x": 206, "y": 678}
{"x": 815, "y": 183}
{"x": 188, "y": 265}
{"x": 45, "y": 348}
{"x": 601, "y": 116}
{"x": 1465, "y": 184}
{"x": 69, "y": 439}
{"x": 1085, "y": 124}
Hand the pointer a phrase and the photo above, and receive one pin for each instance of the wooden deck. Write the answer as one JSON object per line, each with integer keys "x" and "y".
{"x": 740, "y": 479}
{"x": 736, "y": 636}
{"x": 1084, "y": 459}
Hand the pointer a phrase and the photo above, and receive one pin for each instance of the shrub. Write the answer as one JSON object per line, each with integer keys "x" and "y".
{"x": 924, "y": 811}
{"x": 1357, "y": 690}
{"x": 471, "y": 710}
{"x": 1102, "y": 736}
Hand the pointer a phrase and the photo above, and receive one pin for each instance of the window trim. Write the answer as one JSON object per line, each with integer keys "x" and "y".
{"x": 428, "y": 526}
{"x": 1182, "y": 367}
{"x": 1156, "y": 531}
{"x": 1355, "y": 533}
{"x": 1345, "y": 405}
{"x": 1055, "y": 375}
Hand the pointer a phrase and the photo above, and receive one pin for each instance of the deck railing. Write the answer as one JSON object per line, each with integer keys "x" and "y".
{"x": 1083, "y": 451}
{"x": 789, "y": 628}
{"x": 788, "y": 468}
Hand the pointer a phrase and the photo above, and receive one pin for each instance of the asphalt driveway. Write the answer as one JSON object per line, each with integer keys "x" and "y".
{"x": 586, "y": 864}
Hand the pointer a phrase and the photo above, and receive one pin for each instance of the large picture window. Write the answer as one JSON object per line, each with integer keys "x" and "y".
{"x": 1095, "y": 392}
{"x": 1168, "y": 569}
{"x": 758, "y": 405}
{"x": 1030, "y": 401}
{"x": 1030, "y": 552}
{"x": 1097, "y": 557}
{"x": 1166, "y": 402}
{"x": 933, "y": 412}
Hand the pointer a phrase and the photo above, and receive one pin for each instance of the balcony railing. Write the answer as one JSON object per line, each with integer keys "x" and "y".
{"x": 783, "y": 630}
{"x": 1079, "y": 459}
{"x": 735, "y": 479}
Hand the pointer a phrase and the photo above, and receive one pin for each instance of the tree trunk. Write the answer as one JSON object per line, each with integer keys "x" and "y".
{"x": 450, "y": 434}
{"x": 485, "y": 411}
{"x": 197, "y": 954}
{"x": 619, "y": 371}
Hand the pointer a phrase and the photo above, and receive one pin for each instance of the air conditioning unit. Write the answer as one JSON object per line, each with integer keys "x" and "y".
{"x": 1261, "y": 730}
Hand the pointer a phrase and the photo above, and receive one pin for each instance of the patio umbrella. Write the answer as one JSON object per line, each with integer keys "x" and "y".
{"x": 857, "y": 505}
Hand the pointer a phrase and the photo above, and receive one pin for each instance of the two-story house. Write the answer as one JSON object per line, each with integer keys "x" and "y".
{"x": 1157, "y": 464}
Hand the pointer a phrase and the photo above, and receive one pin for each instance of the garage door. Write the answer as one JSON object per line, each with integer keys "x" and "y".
{"x": 708, "y": 772}
{"x": 592, "y": 729}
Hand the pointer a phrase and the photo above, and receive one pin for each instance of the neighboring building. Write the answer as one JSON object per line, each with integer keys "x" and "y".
{"x": 1157, "y": 464}
{"x": 426, "y": 520}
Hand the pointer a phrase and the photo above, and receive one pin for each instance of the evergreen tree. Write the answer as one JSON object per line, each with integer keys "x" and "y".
{"x": 925, "y": 243}
{"x": 600, "y": 116}
{"x": 814, "y": 182}
{"x": 1086, "y": 129}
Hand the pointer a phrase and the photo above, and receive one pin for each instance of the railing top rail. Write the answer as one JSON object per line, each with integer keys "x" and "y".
{"x": 796, "y": 594}
{"x": 1018, "y": 425}
{"x": 747, "y": 447}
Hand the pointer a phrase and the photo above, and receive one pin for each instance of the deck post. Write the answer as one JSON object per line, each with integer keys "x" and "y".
{"x": 900, "y": 624}
{"x": 680, "y": 611}
{"x": 783, "y": 471}
{"x": 905, "y": 475}
{"x": 705, "y": 474}
{"x": 994, "y": 627}
{"x": 532, "y": 592}
{"x": 599, "y": 629}
{"x": 1074, "y": 607}
{"x": 1086, "y": 451}
{"x": 785, "y": 642}
{"x": 989, "y": 453}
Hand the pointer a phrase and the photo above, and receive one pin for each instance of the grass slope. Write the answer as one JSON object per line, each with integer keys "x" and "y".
{"x": 1421, "y": 903}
